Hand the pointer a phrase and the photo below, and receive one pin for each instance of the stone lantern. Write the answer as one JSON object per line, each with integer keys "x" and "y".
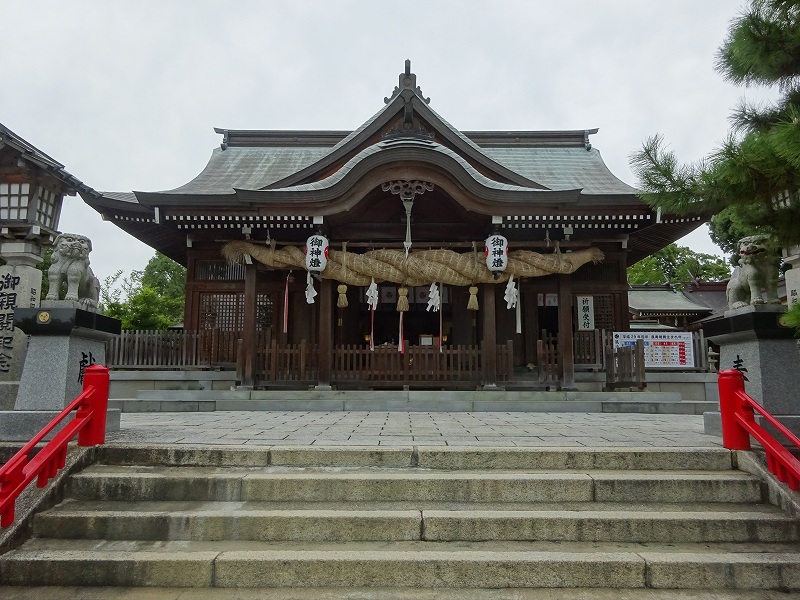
{"x": 32, "y": 189}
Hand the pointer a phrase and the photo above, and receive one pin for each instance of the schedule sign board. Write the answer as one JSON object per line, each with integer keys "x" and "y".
{"x": 661, "y": 349}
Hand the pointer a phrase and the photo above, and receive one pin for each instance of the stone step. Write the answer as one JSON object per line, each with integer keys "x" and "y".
{"x": 284, "y": 484}
{"x": 403, "y": 564}
{"x": 412, "y": 401}
{"x": 264, "y": 522}
{"x": 374, "y": 593}
{"x": 430, "y": 457}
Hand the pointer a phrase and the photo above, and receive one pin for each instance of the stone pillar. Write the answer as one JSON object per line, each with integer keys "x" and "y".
{"x": 20, "y": 287}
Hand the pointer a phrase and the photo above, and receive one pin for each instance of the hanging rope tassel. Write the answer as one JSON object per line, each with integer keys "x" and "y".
{"x": 372, "y": 302}
{"x": 341, "y": 302}
{"x": 401, "y": 346}
{"x": 402, "y": 300}
{"x": 473, "y": 298}
{"x": 441, "y": 287}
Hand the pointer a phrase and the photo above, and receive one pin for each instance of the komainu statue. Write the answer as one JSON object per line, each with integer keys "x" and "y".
{"x": 755, "y": 280}
{"x": 70, "y": 266}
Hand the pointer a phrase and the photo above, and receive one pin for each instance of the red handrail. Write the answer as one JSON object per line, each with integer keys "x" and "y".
{"x": 738, "y": 410}
{"x": 90, "y": 426}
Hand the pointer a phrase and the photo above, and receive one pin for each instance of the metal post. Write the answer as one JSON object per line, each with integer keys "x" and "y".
{"x": 731, "y": 384}
{"x": 95, "y": 377}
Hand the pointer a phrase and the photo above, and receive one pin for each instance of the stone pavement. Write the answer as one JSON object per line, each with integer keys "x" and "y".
{"x": 355, "y": 428}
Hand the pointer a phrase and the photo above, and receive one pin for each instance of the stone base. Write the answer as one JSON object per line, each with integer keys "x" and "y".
{"x": 22, "y": 425}
{"x": 51, "y": 378}
{"x": 8, "y": 394}
{"x": 752, "y": 339}
{"x": 712, "y": 425}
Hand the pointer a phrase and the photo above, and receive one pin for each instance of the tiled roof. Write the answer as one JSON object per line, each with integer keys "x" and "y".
{"x": 382, "y": 146}
{"x": 562, "y": 168}
{"x": 660, "y": 300}
{"x": 249, "y": 168}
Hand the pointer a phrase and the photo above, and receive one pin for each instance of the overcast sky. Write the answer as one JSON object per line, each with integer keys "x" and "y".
{"x": 126, "y": 94}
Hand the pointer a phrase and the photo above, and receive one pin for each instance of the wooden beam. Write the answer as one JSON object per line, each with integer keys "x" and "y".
{"x": 249, "y": 331}
{"x": 489, "y": 336}
{"x": 565, "y": 332}
{"x": 325, "y": 333}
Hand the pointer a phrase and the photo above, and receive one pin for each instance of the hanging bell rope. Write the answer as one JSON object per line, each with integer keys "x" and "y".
{"x": 422, "y": 267}
{"x": 342, "y": 288}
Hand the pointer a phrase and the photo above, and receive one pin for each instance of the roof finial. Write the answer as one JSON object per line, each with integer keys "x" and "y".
{"x": 408, "y": 81}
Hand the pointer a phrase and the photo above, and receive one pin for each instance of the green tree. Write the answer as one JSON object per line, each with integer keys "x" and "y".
{"x": 168, "y": 279}
{"x": 677, "y": 265}
{"x": 148, "y": 299}
{"x": 751, "y": 182}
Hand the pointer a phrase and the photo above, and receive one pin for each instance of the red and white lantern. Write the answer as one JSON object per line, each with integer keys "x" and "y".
{"x": 316, "y": 254}
{"x": 496, "y": 254}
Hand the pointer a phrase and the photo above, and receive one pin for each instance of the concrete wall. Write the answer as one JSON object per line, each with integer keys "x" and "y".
{"x": 693, "y": 387}
{"x": 125, "y": 384}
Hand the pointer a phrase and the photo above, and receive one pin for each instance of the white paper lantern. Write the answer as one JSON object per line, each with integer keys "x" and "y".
{"x": 316, "y": 254}
{"x": 496, "y": 254}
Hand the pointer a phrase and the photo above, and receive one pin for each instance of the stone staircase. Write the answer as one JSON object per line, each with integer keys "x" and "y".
{"x": 412, "y": 523}
{"x": 503, "y": 400}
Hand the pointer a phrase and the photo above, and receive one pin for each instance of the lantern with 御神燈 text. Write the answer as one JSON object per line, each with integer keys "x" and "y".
{"x": 496, "y": 254}
{"x": 316, "y": 254}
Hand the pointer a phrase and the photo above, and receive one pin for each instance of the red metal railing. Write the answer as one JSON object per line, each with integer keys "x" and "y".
{"x": 738, "y": 424}
{"x": 90, "y": 426}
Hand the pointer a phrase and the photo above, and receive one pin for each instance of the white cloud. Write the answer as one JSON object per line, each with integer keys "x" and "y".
{"x": 126, "y": 94}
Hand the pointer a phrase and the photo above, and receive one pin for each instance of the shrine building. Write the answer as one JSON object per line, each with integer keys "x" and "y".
{"x": 454, "y": 258}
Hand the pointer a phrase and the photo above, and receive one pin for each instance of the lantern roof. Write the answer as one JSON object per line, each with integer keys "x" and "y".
{"x": 28, "y": 155}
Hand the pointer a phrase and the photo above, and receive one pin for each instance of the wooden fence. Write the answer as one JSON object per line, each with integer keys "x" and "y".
{"x": 173, "y": 349}
{"x": 419, "y": 365}
{"x": 283, "y": 363}
{"x": 297, "y": 363}
{"x": 625, "y": 366}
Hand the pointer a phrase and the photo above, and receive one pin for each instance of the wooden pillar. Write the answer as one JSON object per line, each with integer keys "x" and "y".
{"x": 489, "y": 337}
{"x": 325, "y": 333}
{"x": 249, "y": 337}
{"x": 565, "y": 332}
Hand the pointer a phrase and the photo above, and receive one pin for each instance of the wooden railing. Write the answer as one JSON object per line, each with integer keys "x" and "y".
{"x": 625, "y": 366}
{"x": 89, "y": 425}
{"x": 547, "y": 359}
{"x": 737, "y": 412}
{"x": 588, "y": 348}
{"x": 419, "y": 365}
{"x": 286, "y": 362}
{"x": 216, "y": 348}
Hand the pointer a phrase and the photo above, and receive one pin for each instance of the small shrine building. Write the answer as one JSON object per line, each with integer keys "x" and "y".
{"x": 403, "y": 209}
